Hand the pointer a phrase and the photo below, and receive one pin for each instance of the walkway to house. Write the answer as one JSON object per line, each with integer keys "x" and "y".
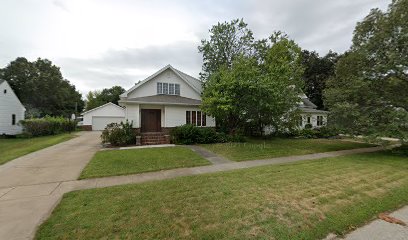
{"x": 32, "y": 185}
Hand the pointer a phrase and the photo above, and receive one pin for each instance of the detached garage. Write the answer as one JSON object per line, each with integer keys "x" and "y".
{"x": 97, "y": 118}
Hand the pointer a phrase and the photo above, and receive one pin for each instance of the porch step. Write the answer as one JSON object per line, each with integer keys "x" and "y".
{"x": 154, "y": 138}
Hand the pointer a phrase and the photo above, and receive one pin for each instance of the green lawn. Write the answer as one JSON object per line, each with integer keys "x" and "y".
{"x": 279, "y": 147}
{"x": 121, "y": 162}
{"x": 304, "y": 200}
{"x": 16, "y": 147}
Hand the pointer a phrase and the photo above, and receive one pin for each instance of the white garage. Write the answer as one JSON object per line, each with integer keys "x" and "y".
{"x": 97, "y": 118}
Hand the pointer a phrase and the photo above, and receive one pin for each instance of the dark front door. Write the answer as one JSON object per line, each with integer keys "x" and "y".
{"x": 151, "y": 120}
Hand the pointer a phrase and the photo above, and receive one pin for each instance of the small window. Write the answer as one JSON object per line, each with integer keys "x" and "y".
{"x": 159, "y": 88}
{"x": 188, "y": 117}
{"x": 177, "y": 89}
{"x": 5, "y": 91}
{"x": 308, "y": 119}
{"x": 13, "y": 119}
{"x": 171, "y": 88}
{"x": 198, "y": 118}
{"x": 193, "y": 118}
{"x": 165, "y": 88}
{"x": 319, "y": 120}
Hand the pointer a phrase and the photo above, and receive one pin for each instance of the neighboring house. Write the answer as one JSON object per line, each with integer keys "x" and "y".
{"x": 310, "y": 115}
{"x": 99, "y": 117}
{"x": 11, "y": 110}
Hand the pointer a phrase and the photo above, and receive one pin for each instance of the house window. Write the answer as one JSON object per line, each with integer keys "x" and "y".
{"x": 319, "y": 120}
{"x": 308, "y": 120}
{"x": 188, "y": 117}
{"x": 13, "y": 119}
{"x": 165, "y": 88}
{"x": 5, "y": 91}
{"x": 171, "y": 88}
{"x": 193, "y": 118}
{"x": 159, "y": 88}
{"x": 196, "y": 118}
{"x": 168, "y": 88}
{"x": 300, "y": 121}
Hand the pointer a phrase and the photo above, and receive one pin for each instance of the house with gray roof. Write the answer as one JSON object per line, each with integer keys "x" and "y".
{"x": 171, "y": 98}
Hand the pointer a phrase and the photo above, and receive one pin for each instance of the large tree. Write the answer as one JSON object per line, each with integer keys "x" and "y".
{"x": 228, "y": 40}
{"x": 98, "y": 98}
{"x": 257, "y": 90}
{"x": 317, "y": 71}
{"x": 41, "y": 88}
{"x": 369, "y": 93}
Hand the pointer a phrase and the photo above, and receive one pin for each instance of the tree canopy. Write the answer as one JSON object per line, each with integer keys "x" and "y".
{"x": 369, "y": 93}
{"x": 41, "y": 88}
{"x": 317, "y": 71}
{"x": 227, "y": 41}
{"x": 257, "y": 85}
{"x": 98, "y": 98}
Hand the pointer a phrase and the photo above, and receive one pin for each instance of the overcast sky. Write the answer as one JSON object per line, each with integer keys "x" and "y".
{"x": 101, "y": 43}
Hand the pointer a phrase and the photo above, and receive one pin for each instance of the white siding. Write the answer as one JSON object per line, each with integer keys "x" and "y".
{"x": 100, "y": 123}
{"x": 150, "y": 87}
{"x": 9, "y": 105}
{"x": 176, "y": 116}
{"x": 313, "y": 119}
{"x": 133, "y": 114}
{"x": 109, "y": 110}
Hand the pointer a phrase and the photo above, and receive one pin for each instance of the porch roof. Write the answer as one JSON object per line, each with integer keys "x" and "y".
{"x": 163, "y": 99}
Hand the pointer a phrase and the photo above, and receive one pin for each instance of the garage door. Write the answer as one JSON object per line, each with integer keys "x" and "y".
{"x": 99, "y": 123}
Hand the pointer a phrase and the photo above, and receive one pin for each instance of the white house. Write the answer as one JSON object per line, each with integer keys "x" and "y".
{"x": 98, "y": 118}
{"x": 167, "y": 99}
{"x": 310, "y": 115}
{"x": 11, "y": 110}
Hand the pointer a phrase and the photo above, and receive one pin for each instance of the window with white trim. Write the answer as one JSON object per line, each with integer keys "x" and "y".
{"x": 196, "y": 118}
{"x": 168, "y": 88}
{"x": 319, "y": 120}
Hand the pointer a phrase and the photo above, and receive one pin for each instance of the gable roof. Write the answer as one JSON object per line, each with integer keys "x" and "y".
{"x": 104, "y": 105}
{"x": 194, "y": 83}
{"x": 308, "y": 104}
{"x": 18, "y": 99}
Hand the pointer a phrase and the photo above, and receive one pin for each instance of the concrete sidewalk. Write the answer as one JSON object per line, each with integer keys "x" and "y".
{"x": 31, "y": 186}
{"x": 382, "y": 230}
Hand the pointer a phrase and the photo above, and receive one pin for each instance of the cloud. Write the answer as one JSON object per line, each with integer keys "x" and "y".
{"x": 101, "y": 43}
{"x": 60, "y": 4}
{"x": 127, "y": 66}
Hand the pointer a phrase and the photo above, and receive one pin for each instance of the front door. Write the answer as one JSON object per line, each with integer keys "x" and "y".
{"x": 151, "y": 120}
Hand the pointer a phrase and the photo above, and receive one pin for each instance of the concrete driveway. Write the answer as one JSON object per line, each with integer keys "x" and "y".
{"x": 27, "y": 183}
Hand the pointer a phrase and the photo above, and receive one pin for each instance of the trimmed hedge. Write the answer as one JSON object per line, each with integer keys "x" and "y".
{"x": 47, "y": 126}
{"x": 119, "y": 134}
{"x": 190, "y": 134}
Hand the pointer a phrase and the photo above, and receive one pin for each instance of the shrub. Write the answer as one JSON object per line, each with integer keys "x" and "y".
{"x": 190, "y": 134}
{"x": 47, "y": 126}
{"x": 401, "y": 150}
{"x": 322, "y": 132}
{"x": 119, "y": 134}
